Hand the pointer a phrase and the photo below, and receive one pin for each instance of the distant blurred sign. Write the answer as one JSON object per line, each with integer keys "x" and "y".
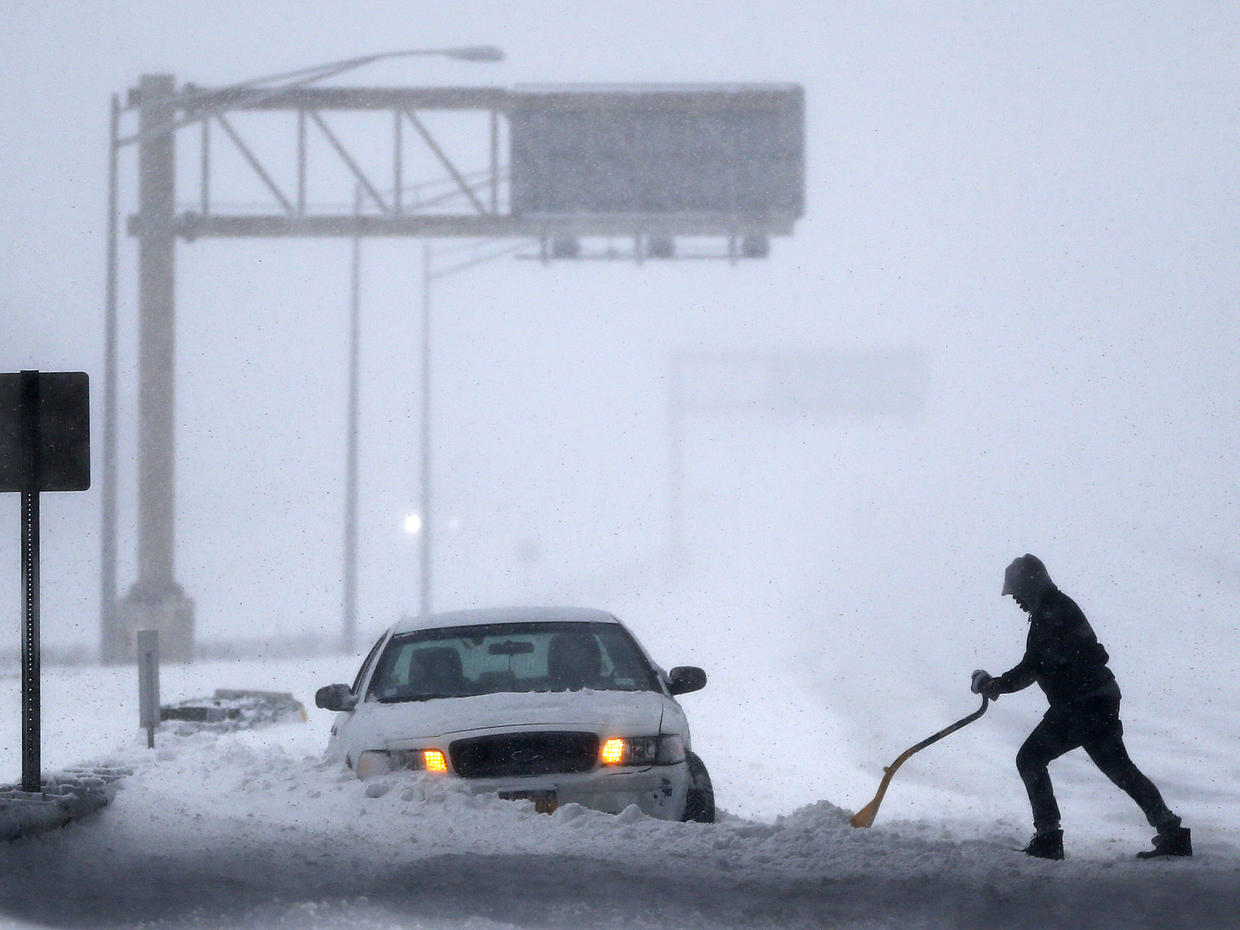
{"x": 734, "y": 151}
{"x": 864, "y": 382}
{"x": 809, "y": 384}
{"x": 61, "y": 421}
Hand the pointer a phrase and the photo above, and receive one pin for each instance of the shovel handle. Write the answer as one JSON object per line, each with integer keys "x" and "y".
{"x": 865, "y": 816}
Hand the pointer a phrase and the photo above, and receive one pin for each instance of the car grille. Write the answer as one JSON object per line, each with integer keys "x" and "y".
{"x": 524, "y": 754}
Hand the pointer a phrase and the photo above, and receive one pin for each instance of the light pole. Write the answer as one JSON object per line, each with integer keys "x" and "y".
{"x": 429, "y": 275}
{"x": 156, "y": 382}
{"x": 351, "y": 481}
{"x": 109, "y": 639}
{"x": 424, "y": 551}
{"x": 425, "y": 523}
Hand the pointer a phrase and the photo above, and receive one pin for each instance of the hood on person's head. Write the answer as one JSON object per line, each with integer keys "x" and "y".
{"x": 1026, "y": 579}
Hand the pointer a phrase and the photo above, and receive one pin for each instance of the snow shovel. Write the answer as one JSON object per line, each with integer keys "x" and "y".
{"x": 865, "y": 816}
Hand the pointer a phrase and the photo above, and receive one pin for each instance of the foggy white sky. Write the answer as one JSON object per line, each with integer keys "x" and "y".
{"x": 1043, "y": 200}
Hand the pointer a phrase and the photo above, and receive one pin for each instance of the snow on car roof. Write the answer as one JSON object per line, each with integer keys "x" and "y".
{"x": 481, "y": 616}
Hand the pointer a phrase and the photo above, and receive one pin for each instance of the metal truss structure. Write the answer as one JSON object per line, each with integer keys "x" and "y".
{"x": 305, "y": 123}
{"x": 386, "y": 209}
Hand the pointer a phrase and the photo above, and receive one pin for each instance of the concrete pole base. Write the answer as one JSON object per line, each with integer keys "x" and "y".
{"x": 172, "y": 614}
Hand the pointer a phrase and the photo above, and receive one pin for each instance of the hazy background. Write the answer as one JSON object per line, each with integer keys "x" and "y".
{"x": 1043, "y": 200}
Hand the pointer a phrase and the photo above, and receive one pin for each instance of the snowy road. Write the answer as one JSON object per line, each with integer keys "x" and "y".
{"x": 246, "y": 834}
{"x": 449, "y": 862}
{"x": 253, "y": 830}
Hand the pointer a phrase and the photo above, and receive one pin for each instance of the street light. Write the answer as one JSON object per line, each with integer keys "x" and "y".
{"x": 475, "y": 53}
{"x": 429, "y": 275}
{"x": 316, "y": 73}
{"x": 420, "y": 524}
{"x": 111, "y": 648}
{"x": 349, "y": 621}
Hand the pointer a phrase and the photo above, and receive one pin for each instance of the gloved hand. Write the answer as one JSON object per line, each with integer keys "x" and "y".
{"x": 982, "y": 683}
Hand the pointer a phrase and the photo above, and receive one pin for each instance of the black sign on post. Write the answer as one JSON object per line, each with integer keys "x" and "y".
{"x": 44, "y": 446}
{"x": 61, "y": 423}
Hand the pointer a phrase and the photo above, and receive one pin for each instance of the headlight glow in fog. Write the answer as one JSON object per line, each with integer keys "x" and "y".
{"x": 379, "y": 762}
{"x": 642, "y": 750}
{"x": 434, "y": 761}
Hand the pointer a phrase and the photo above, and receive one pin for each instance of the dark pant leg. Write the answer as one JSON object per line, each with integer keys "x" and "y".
{"x": 1104, "y": 742}
{"x": 1049, "y": 740}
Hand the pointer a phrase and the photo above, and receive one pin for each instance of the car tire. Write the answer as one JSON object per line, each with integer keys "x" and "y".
{"x": 700, "y": 798}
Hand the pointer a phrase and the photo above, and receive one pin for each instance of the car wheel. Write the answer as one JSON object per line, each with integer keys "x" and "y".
{"x": 700, "y": 799}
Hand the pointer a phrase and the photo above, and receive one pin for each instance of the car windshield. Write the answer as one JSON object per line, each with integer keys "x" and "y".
{"x": 472, "y": 660}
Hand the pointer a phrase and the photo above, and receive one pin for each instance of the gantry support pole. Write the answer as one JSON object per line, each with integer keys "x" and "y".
{"x": 156, "y": 602}
{"x": 111, "y": 642}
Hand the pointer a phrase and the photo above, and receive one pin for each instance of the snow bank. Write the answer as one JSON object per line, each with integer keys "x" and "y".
{"x": 254, "y": 829}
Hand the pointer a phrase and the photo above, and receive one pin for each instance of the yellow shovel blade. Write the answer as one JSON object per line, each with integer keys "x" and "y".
{"x": 865, "y": 816}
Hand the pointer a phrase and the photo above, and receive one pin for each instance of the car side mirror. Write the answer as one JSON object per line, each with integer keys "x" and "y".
{"x": 685, "y": 678}
{"x": 335, "y": 697}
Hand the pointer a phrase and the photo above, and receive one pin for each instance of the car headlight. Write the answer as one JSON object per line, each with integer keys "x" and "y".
{"x": 642, "y": 750}
{"x": 379, "y": 762}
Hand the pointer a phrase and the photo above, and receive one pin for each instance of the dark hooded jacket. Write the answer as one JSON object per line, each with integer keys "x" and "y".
{"x": 1062, "y": 654}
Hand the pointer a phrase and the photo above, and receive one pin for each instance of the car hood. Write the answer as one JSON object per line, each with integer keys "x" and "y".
{"x": 608, "y": 713}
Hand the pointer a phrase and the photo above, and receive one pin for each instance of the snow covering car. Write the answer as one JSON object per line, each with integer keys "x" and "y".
{"x": 552, "y": 705}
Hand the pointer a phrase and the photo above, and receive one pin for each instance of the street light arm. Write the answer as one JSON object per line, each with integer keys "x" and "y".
{"x": 344, "y": 63}
{"x": 307, "y": 76}
{"x": 464, "y": 53}
{"x": 484, "y": 52}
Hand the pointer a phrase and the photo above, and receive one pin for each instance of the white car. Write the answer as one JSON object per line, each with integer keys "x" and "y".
{"x": 552, "y": 705}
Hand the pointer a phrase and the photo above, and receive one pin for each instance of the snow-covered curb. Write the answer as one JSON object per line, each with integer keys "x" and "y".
{"x": 64, "y": 797}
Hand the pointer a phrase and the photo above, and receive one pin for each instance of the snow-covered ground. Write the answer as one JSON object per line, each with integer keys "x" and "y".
{"x": 252, "y": 829}
{"x": 1038, "y": 198}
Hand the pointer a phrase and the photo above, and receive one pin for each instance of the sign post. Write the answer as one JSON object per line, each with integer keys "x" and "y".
{"x": 44, "y": 446}
{"x": 31, "y": 743}
{"x": 148, "y": 683}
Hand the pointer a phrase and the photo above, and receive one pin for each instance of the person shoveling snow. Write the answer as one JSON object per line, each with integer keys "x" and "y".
{"x": 1064, "y": 657}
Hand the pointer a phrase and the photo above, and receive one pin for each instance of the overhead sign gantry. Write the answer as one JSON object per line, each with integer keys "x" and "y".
{"x": 670, "y": 160}
{"x": 648, "y": 164}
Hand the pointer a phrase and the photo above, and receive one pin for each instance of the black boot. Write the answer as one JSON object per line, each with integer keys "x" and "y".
{"x": 1176, "y": 841}
{"x": 1048, "y": 845}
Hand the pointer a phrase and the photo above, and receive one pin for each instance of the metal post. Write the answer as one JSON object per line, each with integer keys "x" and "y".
{"x": 495, "y": 162}
{"x": 111, "y": 648}
{"x": 425, "y": 550}
{"x": 31, "y": 762}
{"x": 156, "y": 251}
{"x": 301, "y": 161}
{"x": 398, "y": 165}
{"x": 148, "y": 683}
{"x": 204, "y": 187}
{"x": 676, "y": 460}
{"x": 350, "y": 501}
{"x": 156, "y": 601}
